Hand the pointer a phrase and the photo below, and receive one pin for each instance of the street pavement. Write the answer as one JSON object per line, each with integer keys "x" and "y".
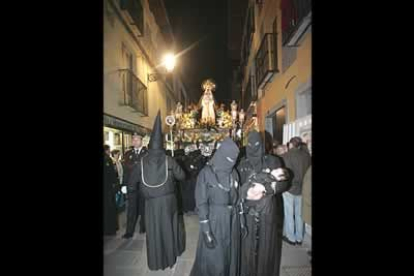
{"x": 129, "y": 257}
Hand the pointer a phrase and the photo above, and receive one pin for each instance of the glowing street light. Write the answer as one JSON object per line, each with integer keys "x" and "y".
{"x": 169, "y": 62}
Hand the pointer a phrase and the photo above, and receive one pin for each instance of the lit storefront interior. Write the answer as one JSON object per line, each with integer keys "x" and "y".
{"x": 118, "y": 133}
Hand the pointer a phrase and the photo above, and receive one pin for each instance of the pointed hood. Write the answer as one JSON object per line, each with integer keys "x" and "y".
{"x": 156, "y": 140}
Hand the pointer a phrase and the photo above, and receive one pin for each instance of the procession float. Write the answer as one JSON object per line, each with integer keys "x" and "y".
{"x": 202, "y": 126}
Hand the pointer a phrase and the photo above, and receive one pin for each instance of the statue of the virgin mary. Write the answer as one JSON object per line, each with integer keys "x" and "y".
{"x": 207, "y": 102}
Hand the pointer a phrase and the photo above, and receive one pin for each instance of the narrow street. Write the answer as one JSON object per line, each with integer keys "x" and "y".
{"x": 129, "y": 257}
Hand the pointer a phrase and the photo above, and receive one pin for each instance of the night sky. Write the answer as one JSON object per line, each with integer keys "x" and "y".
{"x": 195, "y": 20}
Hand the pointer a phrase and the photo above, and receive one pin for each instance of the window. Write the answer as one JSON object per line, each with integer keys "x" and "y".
{"x": 134, "y": 92}
{"x": 265, "y": 60}
{"x": 294, "y": 13}
{"x": 128, "y": 64}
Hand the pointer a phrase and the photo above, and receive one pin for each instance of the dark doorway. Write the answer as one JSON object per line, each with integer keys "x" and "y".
{"x": 278, "y": 120}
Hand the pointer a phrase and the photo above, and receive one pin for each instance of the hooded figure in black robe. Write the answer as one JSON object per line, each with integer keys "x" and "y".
{"x": 192, "y": 163}
{"x": 216, "y": 198}
{"x": 155, "y": 178}
{"x": 261, "y": 246}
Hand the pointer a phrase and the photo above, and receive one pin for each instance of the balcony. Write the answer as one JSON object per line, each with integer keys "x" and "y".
{"x": 135, "y": 93}
{"x": 266, "y": 60}
{"x": 135, "y": 13}
{"x": 296, "y": 19}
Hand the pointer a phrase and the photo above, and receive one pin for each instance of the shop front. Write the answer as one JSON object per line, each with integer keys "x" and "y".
{"x": 118, "y": 133}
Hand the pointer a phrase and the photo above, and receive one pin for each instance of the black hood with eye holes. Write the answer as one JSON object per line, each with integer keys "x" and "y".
{"x": 220, "y": 161}
{"x": 255, "y": 150}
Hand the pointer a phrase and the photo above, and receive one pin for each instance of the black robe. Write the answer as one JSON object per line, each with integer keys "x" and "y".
{"x": 164, "y": 230}
{"x": 264, "y": 221}
{"x": 220, "y": 208}
{"x": 109, "y": 190}
{"x": 192, "y": 164}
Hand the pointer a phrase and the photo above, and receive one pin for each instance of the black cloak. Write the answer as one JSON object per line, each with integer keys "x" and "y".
{"x": 261, "y": 249}
{"x": 216, "y": 199}
{"x": 155, "y": 177}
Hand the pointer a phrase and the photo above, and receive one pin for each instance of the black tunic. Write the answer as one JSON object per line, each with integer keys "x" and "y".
{"x": 192, "y": 164}
{"x": 264, "y": 222}
{"x": 109, "y": 190}
{"x": 219, "y": 206}
{"x": 164, "y": 233}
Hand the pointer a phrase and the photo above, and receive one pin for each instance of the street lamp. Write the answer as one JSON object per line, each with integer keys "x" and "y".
{"x": 168, "y": 63}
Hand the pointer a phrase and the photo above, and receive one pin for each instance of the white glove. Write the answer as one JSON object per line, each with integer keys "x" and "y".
{"x": 256, "y": 192}
{"x": 124, "y": 189}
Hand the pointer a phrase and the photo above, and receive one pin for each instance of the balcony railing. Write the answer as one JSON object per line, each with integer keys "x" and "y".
{"x": 249, "y": 29}
{"x": 135, "y": 93}
{"x": 136, "y": 12}
{"x": 266, "y": 59}
{"x": 296, "y": 18}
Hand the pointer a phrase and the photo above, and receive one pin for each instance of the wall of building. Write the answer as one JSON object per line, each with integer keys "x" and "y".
{"x": 294, "y": 64}
{"x": 148, "y": 51}
{"x": 285, "y": 85}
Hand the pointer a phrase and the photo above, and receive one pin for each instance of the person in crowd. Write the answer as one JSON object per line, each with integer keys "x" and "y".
{"x": 216, "y": 199}
{"x": 275, "y": 144}
{"x": 120, "y": 198}
{"x": 268, "y": 142}
{"x": 298, "y": 161}
{"x": 109, "y": 190}
{"x": 155, "y": 176}
{"x": 107, "y": 150}
{"x": 262, "y": 247}
{"x": 135, "y": 203}
{"x": 192, "y": 162}
{"x": 116, "y": 154}
{"x": 307, "y": 142}
{"x": 279, "y": 150}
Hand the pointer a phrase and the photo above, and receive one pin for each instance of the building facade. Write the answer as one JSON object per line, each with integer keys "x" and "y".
{"x": 276, "y": 63}
{"x": 236, "y": 10}
{"x": 137, "y": 34}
